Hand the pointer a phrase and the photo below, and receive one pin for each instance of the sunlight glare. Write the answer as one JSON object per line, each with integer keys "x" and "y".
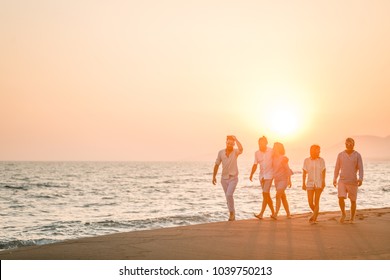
{"x": 283, "y": 121}
{"x": 280, "y": 112}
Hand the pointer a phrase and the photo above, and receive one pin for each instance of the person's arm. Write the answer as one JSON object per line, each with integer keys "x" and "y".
{"x": 288, "y": 169}
{"x": 239, "y": 146}
{"x": 360, "y": 168}
{"x": 336, "y": 171}
{"x": 323, "y": 178}
{"x": 254, "y": 167}
{"x": 304, "y": 173}
{"x": 216, "y": 166}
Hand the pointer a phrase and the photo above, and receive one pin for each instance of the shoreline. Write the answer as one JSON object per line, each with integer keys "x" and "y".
{"x": 285, "y": 239}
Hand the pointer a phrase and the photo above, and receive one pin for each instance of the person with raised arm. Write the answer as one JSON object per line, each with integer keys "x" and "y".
{"x": 229, "y": 177}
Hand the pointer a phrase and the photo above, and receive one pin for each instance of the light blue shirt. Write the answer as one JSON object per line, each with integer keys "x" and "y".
{"x": 347, "y": 166}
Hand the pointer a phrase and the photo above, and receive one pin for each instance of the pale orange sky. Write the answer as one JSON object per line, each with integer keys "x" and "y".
{"x": 168, "y": 80}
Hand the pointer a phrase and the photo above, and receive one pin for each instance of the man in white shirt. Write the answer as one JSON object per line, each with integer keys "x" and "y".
{"x": 263, "y": 157}
{"x": 348, "y": 164}
{"x": 229, "y": 178}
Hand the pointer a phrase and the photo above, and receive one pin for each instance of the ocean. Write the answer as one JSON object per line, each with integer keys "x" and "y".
{"x": 47, "y": 202}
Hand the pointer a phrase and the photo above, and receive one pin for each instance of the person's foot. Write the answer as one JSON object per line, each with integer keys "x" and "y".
{"x": 274, "y": 217}
{"x": 260, "y": 217}
{"x": 232, "y": 217}
{"x": 342, "y": 219}
{"x": 351, "y": 221}
{"x": 289, "y": 216}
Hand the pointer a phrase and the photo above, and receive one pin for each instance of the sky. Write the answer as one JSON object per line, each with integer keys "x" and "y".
{"x": 168, "y": 80}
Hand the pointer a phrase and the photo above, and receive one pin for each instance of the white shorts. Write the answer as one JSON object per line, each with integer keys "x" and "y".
{"x": 344, "y": 189}
{"x": 281, "y": 185}
{"x": 313, "y": 187}
{"x": 266, "y": 185}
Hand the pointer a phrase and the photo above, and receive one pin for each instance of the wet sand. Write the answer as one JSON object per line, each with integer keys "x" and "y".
{"x": 285, "y": 239}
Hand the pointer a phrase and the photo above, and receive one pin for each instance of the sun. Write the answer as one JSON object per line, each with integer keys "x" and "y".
{"x": 283, "y": 121}
{"x": 280, "y": 113}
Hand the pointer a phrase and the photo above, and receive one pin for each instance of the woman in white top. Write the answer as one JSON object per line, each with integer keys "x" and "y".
{"x": 314, "y": 170}
{"x": 282, "y": 177}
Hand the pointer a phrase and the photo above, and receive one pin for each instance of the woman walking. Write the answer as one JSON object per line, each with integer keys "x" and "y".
{"x": 282, "y": 177}
{"x": 314, "y": 170}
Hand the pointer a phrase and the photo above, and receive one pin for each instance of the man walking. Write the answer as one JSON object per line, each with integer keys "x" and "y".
{"x": 348, "y": 164}
{"x": 229, "y": 177}
{"x": 263, "y": 157}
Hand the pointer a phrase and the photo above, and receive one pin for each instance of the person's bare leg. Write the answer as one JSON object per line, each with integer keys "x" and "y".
{"x": 263, "y": 206}
{"x": 310, "y": 199}
{"x": 285, "y": 205}
{"x": 271, "y": 205}
{"x": 353, "y": 211}
{"x": 278, "y": 202}
{"x": 342, "y": 208}
{"x": 317, "y": 195}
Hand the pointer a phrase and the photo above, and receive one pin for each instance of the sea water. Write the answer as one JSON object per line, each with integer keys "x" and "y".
{"x": 46, "y": 202}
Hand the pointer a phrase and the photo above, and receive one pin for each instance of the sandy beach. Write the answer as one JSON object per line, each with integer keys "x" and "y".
{"x": 286, "y": 239}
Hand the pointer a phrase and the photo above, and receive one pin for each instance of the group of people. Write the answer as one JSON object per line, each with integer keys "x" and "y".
{"x": 274, "y": 167}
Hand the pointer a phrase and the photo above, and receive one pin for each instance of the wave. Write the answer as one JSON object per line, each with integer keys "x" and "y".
{"x": 43, "y": 196}
{"x": 13, "y": 244}
{"x": 24, "y": 188}
{"x": 254, "y": 186}
{"x": 168, "y": 182}
{"x": 81, "y": 229}
{"x": 386, "y": 188}
{"x": 50, "y": 185}
{"x": 155, "y": 222}
{"x": 174, "y": 220}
